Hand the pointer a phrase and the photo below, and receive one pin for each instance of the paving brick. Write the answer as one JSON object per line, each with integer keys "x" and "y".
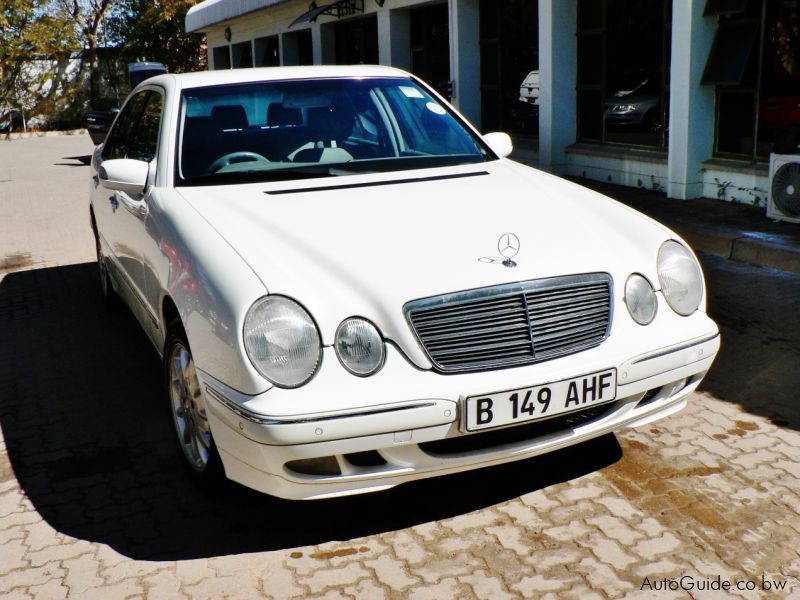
{"x": 446, "y": 588}
{"x": 609, "y": 551}
{"x": 367, "y": 589}
{"x": 30, "y": 576}
{"x": 539, "y": 501}
{"x": 438, "y": 566}
{"x": 486, "y": 586}
{"x": 529, "y": 586}
{"x": 602, "y": 577}
{"x": 324, "y": 578}
{"x": 615, "y": 528}
{"x": 575, "y": 530}
{"x": 223, "y": 587}
{"x": 511, "y": 537}
{"x": 278, "y": 583}
{"x": 652, "y": 548}
{"x": 407, "y": 547}
{"x": 392, "y": 573}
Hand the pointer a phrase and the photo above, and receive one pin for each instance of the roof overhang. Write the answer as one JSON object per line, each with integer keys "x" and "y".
{"x": 213, "y": 12}
{"x": 338, "y": 9}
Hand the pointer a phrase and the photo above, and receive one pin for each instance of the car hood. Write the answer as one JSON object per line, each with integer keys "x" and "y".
{"x": 365, "y": 245}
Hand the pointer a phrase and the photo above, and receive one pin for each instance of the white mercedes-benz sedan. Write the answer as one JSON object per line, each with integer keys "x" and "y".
{"x": 352, "y": 288}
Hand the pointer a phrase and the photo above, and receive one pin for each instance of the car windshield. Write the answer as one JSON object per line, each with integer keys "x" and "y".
{"x": 280, "y": 130}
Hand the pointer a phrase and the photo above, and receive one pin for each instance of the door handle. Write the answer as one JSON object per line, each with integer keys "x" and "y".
{"x": 137, "y": 208}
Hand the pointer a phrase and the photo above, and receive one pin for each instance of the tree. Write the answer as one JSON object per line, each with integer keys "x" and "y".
{"x": 154, "y": 30}
{"x": 36, "y": 39}
{"x": 89, "y": 16}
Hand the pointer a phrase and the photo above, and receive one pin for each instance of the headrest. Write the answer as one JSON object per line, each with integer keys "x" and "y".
{"x": 229, "y": 116}
{"x": 279, "y": 115}
{"x": 329, "y": 123}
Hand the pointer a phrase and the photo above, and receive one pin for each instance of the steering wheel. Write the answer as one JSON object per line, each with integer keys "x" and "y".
{"x": 236, "y": 157}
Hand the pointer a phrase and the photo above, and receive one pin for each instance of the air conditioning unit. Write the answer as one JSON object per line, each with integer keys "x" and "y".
{"x": 784, "y": 187}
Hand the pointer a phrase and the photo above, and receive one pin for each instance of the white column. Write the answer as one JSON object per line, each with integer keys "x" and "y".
{"x": 394, "y": 38}
{"x": 691, "y": 111}
{"x": 558, "y": 63}
{"x": 317, "y": 43}
{"x": 465, "y": 58}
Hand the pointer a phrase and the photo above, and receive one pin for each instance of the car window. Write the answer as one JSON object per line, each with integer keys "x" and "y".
{"x": 119, "y": 137}
{"x": 135, "y": 134}
{"x": 279, "y": 130}
{"x": 144, "y": 140}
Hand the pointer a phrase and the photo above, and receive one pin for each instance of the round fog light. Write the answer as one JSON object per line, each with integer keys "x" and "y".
{"x": 359, "y": 346}
{"x": 640, "y": 298}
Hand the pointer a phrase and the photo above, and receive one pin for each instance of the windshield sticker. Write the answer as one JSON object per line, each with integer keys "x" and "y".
{"x": 435, "y": 108}
{"x": 411, "y": 92}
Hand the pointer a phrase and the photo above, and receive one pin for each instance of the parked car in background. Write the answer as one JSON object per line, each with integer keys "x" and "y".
{"x": 351, "y": 288}
{"x": 529, "y": 89}
{"x": 637, "y": 107}
{"x": 98, "y": 122}
{"x": 11, "y": 121}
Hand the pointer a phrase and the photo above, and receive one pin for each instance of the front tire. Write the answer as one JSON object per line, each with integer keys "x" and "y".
{"x": 188, "y": 411}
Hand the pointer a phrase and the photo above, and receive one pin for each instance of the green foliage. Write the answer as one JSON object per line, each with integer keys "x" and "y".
{"x": 153, "y": 30}
{"x": 36, "y": 36}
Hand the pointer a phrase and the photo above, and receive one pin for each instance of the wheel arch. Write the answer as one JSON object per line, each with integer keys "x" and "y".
{"x": 169, "y": 312}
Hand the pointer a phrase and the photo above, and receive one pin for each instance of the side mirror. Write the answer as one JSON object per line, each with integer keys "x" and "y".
{"x": 124, "y": 175}
{"x": 500, "y": 143}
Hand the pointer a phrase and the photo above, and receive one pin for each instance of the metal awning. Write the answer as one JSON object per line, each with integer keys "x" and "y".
{"x": 338, "y": 9}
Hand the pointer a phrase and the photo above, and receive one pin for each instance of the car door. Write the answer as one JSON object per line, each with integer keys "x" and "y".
{"x": 120, "y": 215}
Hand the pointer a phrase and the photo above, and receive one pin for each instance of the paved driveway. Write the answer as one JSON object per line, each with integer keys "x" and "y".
{"x": 93, "y": 502}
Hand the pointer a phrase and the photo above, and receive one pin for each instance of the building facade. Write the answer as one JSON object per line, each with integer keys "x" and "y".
{"x": 689, "y": 97}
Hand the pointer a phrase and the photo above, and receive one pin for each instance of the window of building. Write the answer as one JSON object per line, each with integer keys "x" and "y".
{"x": 430, "y": 46}
{"x": 297, "y": 48}
{"x": 242, "y": 55}
{"x": 356, "y": 41}
{"x": 624, "y": 49}
{"x": 509, "y": 66}
{"x": 222, "y": 57}
{"x": 754, "y": 64}
{"x": 267, "y": 51}
{"x": 305, "y": 48}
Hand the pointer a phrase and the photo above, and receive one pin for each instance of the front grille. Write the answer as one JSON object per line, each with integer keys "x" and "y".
{"x": 513, "y": 324}
{"x": 512, "y": 435}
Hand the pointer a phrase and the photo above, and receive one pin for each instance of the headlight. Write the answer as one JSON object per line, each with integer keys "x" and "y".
{"x": 359, "y": 346}
{"x": 640, "y": 299}
{"x": 282, "y": 341}
{"x": 680, "y": 277}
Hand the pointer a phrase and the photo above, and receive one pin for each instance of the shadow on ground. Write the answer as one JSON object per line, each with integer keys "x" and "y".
{"x": 91, "y": 445}
{"x": 758, "y": 312}
{"x": 79, "y": 161}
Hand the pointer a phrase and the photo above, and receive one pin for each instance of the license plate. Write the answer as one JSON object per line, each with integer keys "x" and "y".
{"x": 541, "y": 401}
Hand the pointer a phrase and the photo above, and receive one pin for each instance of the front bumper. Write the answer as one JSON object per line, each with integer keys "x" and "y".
{"x": 405, "y": 424}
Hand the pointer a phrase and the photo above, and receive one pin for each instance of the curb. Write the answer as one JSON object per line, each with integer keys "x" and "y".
{"x": 40, "y": 134}
{"x": 743, "y": 248}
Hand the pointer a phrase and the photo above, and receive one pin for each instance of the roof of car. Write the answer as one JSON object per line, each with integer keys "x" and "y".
{"x": 228, "y": 76}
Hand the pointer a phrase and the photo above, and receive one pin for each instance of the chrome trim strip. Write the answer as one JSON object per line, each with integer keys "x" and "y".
{"x": 262, "y": 420}
{"x": 521, "y": 288}
{"x": 661, "y": 353}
